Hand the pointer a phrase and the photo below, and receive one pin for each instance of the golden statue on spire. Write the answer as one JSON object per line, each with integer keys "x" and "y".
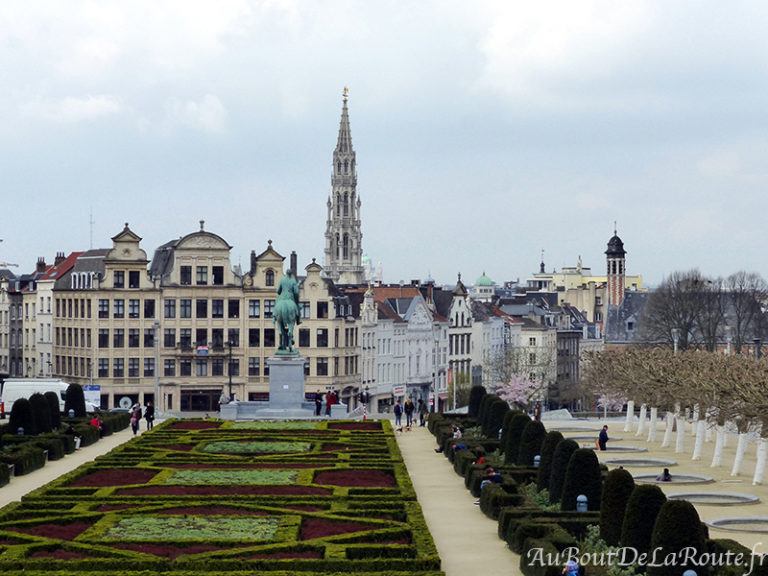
{"x": 346, "y": 94}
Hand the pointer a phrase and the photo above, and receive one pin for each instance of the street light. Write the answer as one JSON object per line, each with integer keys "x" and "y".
{"x": 229, "y": 343}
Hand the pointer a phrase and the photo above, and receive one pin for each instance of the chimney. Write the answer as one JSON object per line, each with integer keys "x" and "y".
{"x": 253, "y": 261}
{"x": 40, "y": 268}
{"x": 294, "y": 263}
{"x": 59, "y": 258}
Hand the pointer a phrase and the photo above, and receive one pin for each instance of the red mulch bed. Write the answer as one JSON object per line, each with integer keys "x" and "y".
{"x": 179, "y": 447}
{"x": 111, "y": 507}
{"x": 356, "y": 478}
{"x": 194, "y": 425}
{"x": 58, "y": 554}
{"x": 223, "y": 490}
{"x": 278, "y": 555}
{"x": 355, "y": 426}
{"x": 58, "y": 531}
{"x": 115, "y": 477}
{"x": 170, "y": 551}
{"x": 212, "y": 511}
{"x": 322, "y": 528}
{"x": 333, "y": 447}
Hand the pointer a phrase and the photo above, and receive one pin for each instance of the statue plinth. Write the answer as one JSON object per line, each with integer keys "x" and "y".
{"x": 286, "y": 380}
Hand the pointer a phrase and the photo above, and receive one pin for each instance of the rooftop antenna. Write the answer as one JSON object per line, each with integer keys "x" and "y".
{"x": 90, "y": 223}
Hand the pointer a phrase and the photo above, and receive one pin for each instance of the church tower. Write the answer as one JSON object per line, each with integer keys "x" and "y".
{"x": 343, "y": 236}
{"x": 615, "y": 256}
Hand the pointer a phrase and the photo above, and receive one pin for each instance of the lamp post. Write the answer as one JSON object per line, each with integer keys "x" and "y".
{"x": 229, "y": 371}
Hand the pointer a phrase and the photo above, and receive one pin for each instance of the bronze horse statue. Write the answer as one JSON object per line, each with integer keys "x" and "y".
{"x": 287, "y": 312}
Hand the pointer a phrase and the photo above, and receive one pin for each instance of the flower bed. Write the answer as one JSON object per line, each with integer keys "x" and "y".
{"x": 211, "y": 497}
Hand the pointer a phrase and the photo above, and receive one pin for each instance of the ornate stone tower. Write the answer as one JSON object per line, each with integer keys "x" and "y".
{"x": 343, "y": 236}
{"x": 615, "y": 256}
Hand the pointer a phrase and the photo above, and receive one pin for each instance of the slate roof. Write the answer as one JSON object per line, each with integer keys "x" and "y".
{"x": 618, "y": 318}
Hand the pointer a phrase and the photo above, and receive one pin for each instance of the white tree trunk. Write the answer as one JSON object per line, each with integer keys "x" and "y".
{"x": 725, "y": 436}
{"x": 708, "y": 432}
{"x": 641, "y": 424}
{"x": 668, "y": 430}
{"x": 717, "y": 457}
{"x": 762, "y": 453}
{"x": 699, "y": 444}
{"x": 680, "y": 441}
{"x": 652, "y": 427}
{"x": 630, "y": 416}
{"x": 741, "y": 447}
{"x": 695, "y": 417}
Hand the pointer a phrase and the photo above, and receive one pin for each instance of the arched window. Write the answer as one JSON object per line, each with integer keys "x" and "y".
{"x": 338, "y": 167}
{"x": 270, "y": 278}
{"x": 338, "y": 204}
{"x": 346, "y": 204}
{"x": 346, "y": 166}
{"x": 338, "y": 245}
{"x": 346, "y": 246}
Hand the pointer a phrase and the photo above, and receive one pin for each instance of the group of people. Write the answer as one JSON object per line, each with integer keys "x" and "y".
{"x": 328, "y": 399}
{"x": 149, "y": 416}
{"x": 408, "y": 408}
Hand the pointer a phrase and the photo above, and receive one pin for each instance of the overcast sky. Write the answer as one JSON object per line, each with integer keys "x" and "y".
{"x": 484, "y": 131}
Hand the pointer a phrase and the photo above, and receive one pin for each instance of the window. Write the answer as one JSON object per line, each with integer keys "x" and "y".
{"x": 118, "y": 278}
{"x": 103, "y": 368}
{"x": 133, "y": 367}
{"x": 217, "y": 366}
{"x": 254, "y": 337}
{"x": 185, "y": 367}
{"x": 269, "y": 308}
{"x": 254, "y": 308}
{"x": 532, "y": 358}
{"x": 185, "y": 308}
{"x": 201, "y": 367}
{"x": 531, "y": 341}
{"x": 202, "y": 275}
{"x": 118, "y": 368}
{"x": 217, "y": 308}
{"x": 270, "y": 278}
{"x": 169, "y": 308}
{"x": 149, "y": 366}
{"x": 201, "y": 337}
{"x": 186, "y": 275}
{"x": 169, "y": 367}
{"x": 119, "y": 308}
{"x": 304, "y": 337}
{"x": 103, "y": 337}
{"x": 269, "y": 339}
{"x": 217, "y": 337}
{"x": 118, "y": 338}
{"x": 103, "y": 308}
{"x": 322, "y": 367}
{"x": 254, "y": 366}
{"x": 218, "y": 275}
{"x": 304, "y": 309}
{"x": 169, "y": 338}
{"x": 322, "y": 338}
{"x": 133, "y": 279}
{"x": 233, "y": 308}
{"x": 322, "y": 309}
{"x": 149, "y": 308}
{"x": 133, "y": 338}
{"x": 149, "y": 337}
{"x": 201, "y": 309}
{"x": 185, "y": 337}
{"x": 234, "y": 367}
{"x": 133, "y": 308}
{"x": 630, "y": 326}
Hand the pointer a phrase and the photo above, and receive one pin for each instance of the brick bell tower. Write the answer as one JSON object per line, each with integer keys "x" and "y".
{"x": 616, "y": 260}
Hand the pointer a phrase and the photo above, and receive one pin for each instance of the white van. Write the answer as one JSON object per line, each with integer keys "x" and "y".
{"x": 15, "y": 388}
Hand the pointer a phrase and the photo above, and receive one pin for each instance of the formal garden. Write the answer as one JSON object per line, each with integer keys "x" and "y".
{"x": 206, "y": 496}
{"x": 556, "y": 499}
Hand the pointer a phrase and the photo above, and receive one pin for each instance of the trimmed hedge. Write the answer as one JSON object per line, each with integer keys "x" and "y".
{"x": 642, "y": 508}
{"x": 53, "y": 408}
{"x": 495, "y": 418}
{"x": 41, "y": 412}
{"x": 25, "y": 458}
{"x": 582, "y": 477}
{"x": 22, "y": 417}
{"x": 560, "y": 459}
{"x": 551, "y": 440}
{"x": 530, "y": 443}
{"x": 75, "y": 400}
{"x": 677, "y": 527}
{"x": 482, "y": 413}
{"x": 515, "y": 432}
{"x": 617, "y": 489}
{"x": 476, "y": 394}
{"x": 505, "y": 428}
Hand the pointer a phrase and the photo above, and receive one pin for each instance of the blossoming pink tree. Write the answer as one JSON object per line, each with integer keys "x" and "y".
{"x": 518, "y": 391}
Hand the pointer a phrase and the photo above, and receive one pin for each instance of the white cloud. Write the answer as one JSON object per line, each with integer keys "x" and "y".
{"x": 207, "y": 115}
{"x": 72, "y": 110}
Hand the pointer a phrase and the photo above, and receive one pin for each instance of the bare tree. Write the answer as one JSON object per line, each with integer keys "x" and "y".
{"x": 747, "y": 291}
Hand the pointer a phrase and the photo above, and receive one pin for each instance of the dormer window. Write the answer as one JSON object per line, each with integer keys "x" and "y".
{"x": 270, "y": 278}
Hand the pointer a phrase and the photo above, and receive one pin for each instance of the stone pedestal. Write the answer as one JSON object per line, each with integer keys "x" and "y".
{"x": 286, "y": 381}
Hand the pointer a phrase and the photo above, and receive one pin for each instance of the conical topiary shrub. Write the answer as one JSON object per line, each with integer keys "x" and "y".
{"x": 41, "y": 412}
{"x": 22, "y": 417}
{"x": 505, "y": 429}
{"x": 75, "y": 400}
{"x": 476, "y": 394}
{"x": 560, "y": 459}
{"x": 494, "y": 419}
{"x": 551, "y": 440}
{"x": 640, "y": 515}
{"x": 530, "y": 443}
{"x": 53, "y": 405}
{"x": 582, "y": 477}
{"x": 617, "y": 489}
{"x": 482, "y": 413}
{"x": 678, "y": 527}
{"x": 515, "y": 433}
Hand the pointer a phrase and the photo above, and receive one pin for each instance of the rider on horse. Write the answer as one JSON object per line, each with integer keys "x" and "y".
{"x": 287, "y": 311}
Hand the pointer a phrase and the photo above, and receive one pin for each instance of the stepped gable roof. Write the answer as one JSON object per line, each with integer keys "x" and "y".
{"x": 460, "y": 289}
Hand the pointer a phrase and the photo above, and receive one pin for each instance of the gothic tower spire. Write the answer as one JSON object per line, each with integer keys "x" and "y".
{"x": 343, "y": 234}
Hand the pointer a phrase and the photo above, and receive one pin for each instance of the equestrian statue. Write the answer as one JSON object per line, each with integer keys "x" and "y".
{"x": 287, "y": 312}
